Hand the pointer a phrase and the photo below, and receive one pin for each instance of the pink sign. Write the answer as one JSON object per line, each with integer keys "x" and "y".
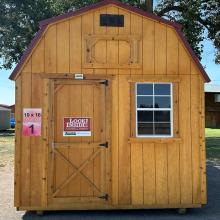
{"x": 32, "y": 122}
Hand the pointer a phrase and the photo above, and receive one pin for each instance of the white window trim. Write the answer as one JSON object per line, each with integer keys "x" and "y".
{"x": 155, "y": 109}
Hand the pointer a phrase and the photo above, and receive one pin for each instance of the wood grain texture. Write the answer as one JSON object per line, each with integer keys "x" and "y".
{"x": 148, "y": 47}
{"x": 36, "y": 145}
{"x": 195, "y": 101}
{"x": 114, "y": 138}
{"x": 124, "y": 149}
{"x": 149, "y": 174}
{"x": 160, "y": 49}
{"x": 137, "y": 183}
{"x": 161, "y": 173}
{"x": 51, "y": 50}
{"x": 185, "y": 133}
{"x": 63, "y": 48}
{"x": 75, "y": 45}
{"x": 25, "y": 144}
{"x": 37, "y": 64}
{"x": 172, "y": 52}
{"x": 173, "y": 170}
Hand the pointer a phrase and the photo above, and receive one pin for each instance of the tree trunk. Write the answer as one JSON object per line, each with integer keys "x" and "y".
{"x": 149, "y": 4}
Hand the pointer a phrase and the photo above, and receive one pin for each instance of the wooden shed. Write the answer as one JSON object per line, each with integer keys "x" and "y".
{"x": 110, "y": 114}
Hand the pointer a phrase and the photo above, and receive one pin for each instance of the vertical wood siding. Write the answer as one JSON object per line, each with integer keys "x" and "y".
{"x": 142, "y": 173}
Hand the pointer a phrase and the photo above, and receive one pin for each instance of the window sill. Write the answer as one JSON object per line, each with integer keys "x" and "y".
{"x": 155, "y": 140}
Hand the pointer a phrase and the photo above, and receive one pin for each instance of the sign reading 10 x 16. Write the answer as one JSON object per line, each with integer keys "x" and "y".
{"x": 32, "y": 122}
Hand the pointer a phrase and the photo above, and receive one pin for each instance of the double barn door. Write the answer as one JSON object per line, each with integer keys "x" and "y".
{"x": 79, "y": 163}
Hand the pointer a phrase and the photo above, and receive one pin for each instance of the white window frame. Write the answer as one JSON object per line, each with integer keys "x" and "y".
{"x": 155, "y": 109}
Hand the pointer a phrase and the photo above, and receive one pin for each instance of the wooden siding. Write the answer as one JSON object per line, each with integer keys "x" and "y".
{"x": 144, "y": 173}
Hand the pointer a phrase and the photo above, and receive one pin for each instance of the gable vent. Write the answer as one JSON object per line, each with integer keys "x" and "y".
{"x": 111, "y": 20}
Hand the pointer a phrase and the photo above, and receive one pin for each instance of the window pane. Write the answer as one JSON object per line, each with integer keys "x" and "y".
{"x": 162, "y": 89}
{"x": 145, "y": 128}
{"x": 162, "y": 128}
{"x": 145, "y": 102}
{"x": 144, "y": 89}
{"x": 162, "y": 116}
{"x": 162, "y": 102}
{"x": 145, "y": 116}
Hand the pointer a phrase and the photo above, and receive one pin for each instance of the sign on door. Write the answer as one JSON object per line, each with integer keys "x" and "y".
{"x": 76, "y": 126}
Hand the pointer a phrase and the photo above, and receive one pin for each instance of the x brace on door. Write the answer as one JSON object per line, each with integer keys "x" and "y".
{"x": 77, "y": 171}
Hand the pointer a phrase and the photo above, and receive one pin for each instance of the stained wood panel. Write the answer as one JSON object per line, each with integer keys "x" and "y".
{"x": 75, "y": 45}
{"x": 112, "y": 46}
{"x": 87, "y": 111}
{"x": 101, "y": 46}
{"x": 137, "y": 28}
{"x": 25, "y": 144}
{"x": 195, "y": 101}
{"x": 148, "y": 47}
{"x": 61, "y": 168}
{"x": 87, "y": 28}
{"x": 114, "y": 138}
{"x": 36, "y": 145}
{"x": 37, "y": 63}
{"x": 51, "y": 49}
{"x": 172, "y": 52}
{"x": 63, "y": 48}
{"x": 137, "y": 187}
{"x": 173, "y": 169}
{"x": 161, "y": 174}
{"x": 185, "y": 133}
{"x": 202, "y": 144}
{"x": 75, "y": 154}
{"x": 160, "y": 49}
{"x": 149, "y": 173}
{"x": 124, "y": 149}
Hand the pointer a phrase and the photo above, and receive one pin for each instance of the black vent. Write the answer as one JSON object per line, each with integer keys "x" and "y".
{"x": 111, "y": 20}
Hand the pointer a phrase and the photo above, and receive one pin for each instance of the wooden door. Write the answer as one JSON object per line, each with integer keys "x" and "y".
{"x": 78, "y": 164}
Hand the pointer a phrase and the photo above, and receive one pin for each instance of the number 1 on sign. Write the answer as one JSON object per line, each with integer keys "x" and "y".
{"x": 32, "y": 129}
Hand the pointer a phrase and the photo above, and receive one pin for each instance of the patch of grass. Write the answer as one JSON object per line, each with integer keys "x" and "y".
{"x": 212, "y": 143}
{"x": 6, "y": 149}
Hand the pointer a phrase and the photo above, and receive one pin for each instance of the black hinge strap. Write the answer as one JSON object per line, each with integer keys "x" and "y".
{"x": 105, "y": 197}
{"x": 104, "y": 144}
{"x": 105, "y": 82}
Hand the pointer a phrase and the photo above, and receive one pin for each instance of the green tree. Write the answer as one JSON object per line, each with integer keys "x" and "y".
{"x": 19, "y": 21}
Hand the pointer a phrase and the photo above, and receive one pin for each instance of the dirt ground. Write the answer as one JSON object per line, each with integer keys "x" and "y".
{"x": 7, "y": 212}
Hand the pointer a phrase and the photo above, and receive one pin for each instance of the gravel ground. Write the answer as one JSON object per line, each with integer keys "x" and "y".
{"x": 209, "y": 212}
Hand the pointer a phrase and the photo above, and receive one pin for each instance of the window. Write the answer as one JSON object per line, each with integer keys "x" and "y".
{"x": 154, "y": 110}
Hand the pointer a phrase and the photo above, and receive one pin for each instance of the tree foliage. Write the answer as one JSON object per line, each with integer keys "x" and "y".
{"x": 19, "y": 21}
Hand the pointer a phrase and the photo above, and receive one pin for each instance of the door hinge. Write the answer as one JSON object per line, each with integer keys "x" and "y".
{"x": 104, "y": 144}
{"x": 105, "y": 197}
{"x": 105, "y": 82}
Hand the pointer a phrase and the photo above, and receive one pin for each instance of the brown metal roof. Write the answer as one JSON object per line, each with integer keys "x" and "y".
{"x": 45, "y": 23}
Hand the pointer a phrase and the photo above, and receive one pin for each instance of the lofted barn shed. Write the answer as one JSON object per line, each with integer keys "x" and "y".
{"x": 110, "y": 114}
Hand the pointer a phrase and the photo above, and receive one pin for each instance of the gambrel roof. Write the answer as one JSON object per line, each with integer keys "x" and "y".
{"x": 44, "y": 24}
